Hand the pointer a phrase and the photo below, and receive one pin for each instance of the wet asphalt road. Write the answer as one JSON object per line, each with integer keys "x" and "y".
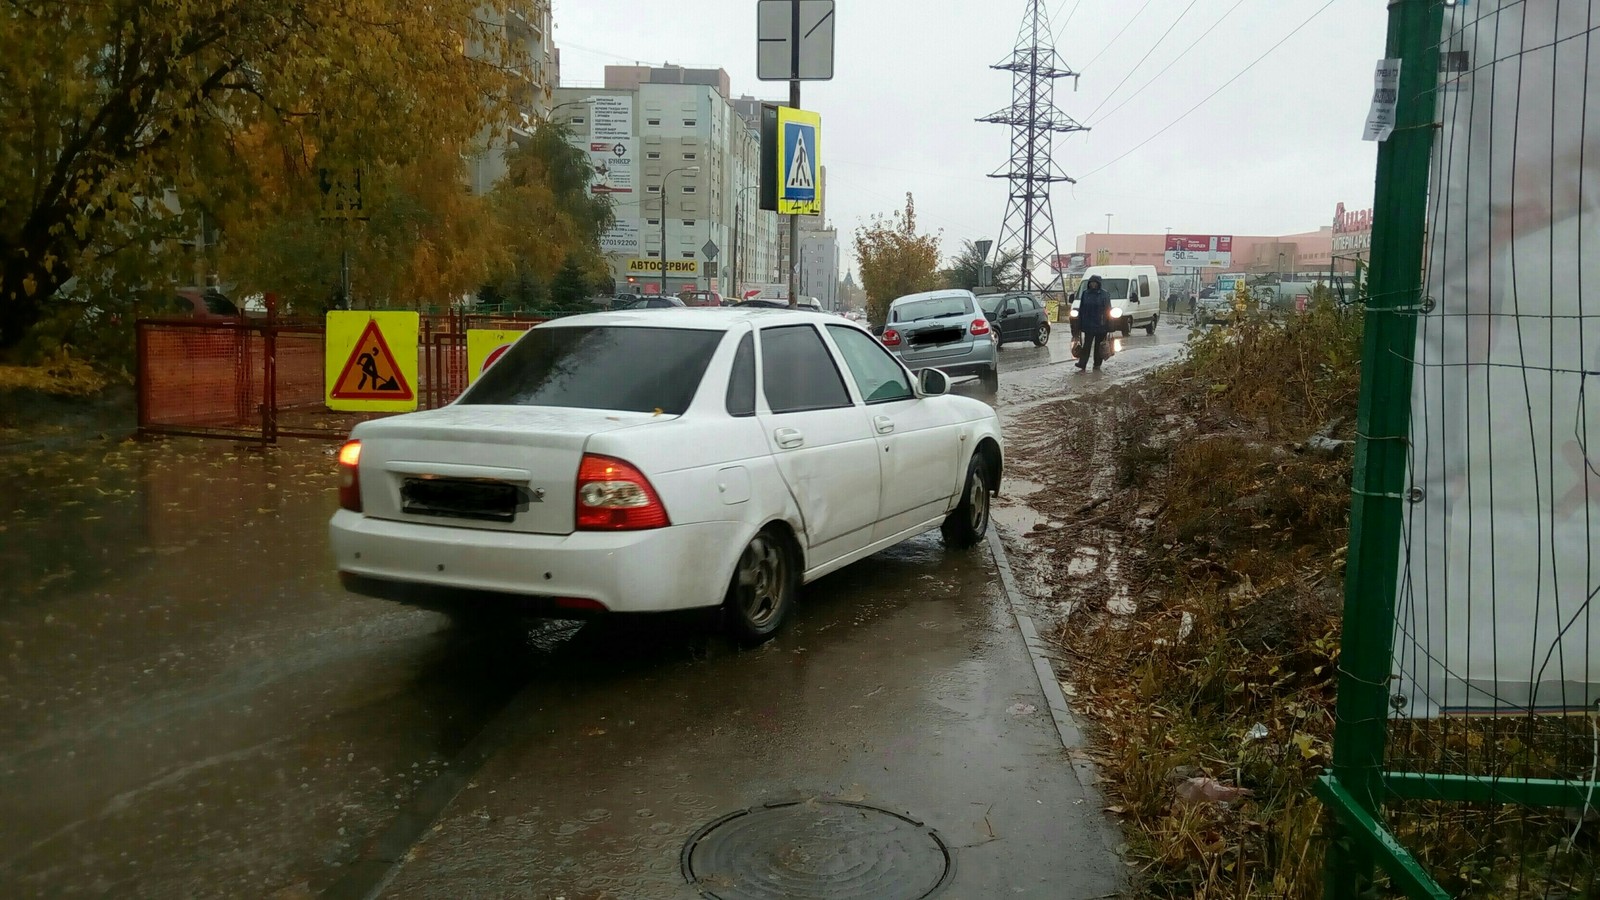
{"x": 190, "y": 707}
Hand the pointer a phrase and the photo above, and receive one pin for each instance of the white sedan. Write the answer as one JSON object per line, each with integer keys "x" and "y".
{"x": 640, "y": 462}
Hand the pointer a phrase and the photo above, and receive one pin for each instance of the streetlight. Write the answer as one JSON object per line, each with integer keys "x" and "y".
{"x": 738, "y": 242}
{"x": 692, "y": 170}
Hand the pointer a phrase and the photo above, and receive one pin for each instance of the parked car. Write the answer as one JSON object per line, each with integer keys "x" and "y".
{"x": 944, "y": 330}
{"x": 199, "y": 303}
{"x": 766, "y": 303}
{"x": 1016, "y": 317}
{"x": 651, "y": 301}
{"x": 701, "y": 298}
{"x": 624, "y": 462}
{"x": 1134, "y": 290}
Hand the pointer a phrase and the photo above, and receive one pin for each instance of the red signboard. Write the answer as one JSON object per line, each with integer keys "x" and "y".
{"x": 1200, "y": 243}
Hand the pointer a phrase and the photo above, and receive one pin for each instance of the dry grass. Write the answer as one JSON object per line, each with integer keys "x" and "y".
{"x": 61, "y": 376}
{"x": 1240, "y": 579}
{"x": 1239, "y": 583}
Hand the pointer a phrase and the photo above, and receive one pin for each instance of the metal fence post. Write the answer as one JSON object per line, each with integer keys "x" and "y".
{"x": 141, "y": 374}
{"x": 1383, "y": 423}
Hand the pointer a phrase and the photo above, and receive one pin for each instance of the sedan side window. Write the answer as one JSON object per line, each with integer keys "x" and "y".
{"x": 742, "y": 380}
{"x": 797, "y": 371}
{"x": 878, "y": 376}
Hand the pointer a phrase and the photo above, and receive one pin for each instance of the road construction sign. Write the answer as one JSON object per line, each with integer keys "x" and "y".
{"x": 370, "y": 361}
{"x": 799, "y": 133}
{"x": 485, "y": 346}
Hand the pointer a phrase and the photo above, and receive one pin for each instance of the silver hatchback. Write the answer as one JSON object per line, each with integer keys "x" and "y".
{"x": 944, "y": 330}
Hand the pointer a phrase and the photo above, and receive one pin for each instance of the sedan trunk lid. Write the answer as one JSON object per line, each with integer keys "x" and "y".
{"x": 504, "y": 468}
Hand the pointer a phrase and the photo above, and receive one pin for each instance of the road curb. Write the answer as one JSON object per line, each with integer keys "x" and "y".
{"x": 1066, "y": 727}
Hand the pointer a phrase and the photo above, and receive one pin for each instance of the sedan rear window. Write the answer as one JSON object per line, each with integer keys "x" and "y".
{"x": 931, "y": 308}
{"x": 600, "y": 367}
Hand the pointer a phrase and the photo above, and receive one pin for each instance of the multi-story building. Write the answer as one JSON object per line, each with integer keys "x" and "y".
{"x": 676, "y": 159}
{"x": 537, "y": 64}
{"x": 819, "y": 266}
{"x": 1305, "y": 253}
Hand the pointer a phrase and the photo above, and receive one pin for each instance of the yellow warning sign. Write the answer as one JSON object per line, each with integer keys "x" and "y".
{"x": 485, "y": 346}
{"x": 370, "y": 361}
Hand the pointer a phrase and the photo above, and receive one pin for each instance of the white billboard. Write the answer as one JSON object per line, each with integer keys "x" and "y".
{"x": 1195, "y": 251}
{"x": 1500, "y": 551}
{"x": 622, "y": 237}
{"x": 615, "y": 169}
{"x": 610, "y": 117}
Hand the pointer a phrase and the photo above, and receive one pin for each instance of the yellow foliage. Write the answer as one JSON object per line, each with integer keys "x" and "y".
{"x": 895, "y": 260}
{"x": 125, "y": 120}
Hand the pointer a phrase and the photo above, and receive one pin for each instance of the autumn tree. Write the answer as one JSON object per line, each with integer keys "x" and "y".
{"x": 124, "y": 119}
{"x": 895, "y": 260}
{"x": 964, "y": 270}
{"x": 547, "y": 213}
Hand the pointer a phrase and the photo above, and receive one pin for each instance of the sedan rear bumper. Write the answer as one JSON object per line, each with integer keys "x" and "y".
{"x": 628, "y": 571}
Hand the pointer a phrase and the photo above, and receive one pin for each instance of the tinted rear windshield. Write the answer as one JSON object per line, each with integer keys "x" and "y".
{"x": 931, "y": 308}
{"x": 600, "y": 367}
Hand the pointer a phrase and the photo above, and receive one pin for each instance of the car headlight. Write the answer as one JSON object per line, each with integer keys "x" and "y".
{"x": 1073, "y": 314}
{"x": 1116, "y": 312}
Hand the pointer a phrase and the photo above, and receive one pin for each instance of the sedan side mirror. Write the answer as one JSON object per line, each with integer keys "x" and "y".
{"x": 933, "y": 382}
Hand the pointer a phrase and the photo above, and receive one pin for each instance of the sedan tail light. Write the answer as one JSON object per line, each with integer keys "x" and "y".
{"x": 979, "y": 327}
{"x": 350, "y": 476}
{"x": 615, "y": 496}
{"x": 891, "y": 338}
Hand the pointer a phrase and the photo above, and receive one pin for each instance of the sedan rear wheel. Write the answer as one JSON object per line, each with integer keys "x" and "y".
{"x": 969, "y": 521}
{"x": 763, "y": 589}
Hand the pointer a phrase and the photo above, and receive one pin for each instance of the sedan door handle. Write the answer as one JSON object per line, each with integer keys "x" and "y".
{"x": 884, "y": 424}
{"x": 789, "y": 438}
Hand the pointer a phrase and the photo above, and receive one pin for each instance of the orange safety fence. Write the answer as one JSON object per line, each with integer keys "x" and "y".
{"x": 263, "y": 378}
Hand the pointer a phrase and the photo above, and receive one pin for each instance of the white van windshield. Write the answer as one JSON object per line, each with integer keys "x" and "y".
{"x": 1116, "y": 287}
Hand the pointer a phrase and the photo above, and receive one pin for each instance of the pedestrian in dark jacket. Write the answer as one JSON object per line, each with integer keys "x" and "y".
{"x": 1094, "y": 314}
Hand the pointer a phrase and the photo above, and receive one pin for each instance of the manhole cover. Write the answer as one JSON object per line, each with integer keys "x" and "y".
{"x": 816, "y": 849}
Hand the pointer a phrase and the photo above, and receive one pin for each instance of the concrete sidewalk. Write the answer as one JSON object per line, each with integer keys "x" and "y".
{"x": 904, "y": 684}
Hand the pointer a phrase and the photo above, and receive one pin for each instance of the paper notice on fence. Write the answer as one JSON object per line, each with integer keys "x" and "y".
{"x": 1385, "y": 92}
{"x": 1500, "y": 552}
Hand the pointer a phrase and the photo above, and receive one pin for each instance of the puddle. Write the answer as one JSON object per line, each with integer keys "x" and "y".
{"x": 1017, "y": 517}
{"x": 1017, "y": 488}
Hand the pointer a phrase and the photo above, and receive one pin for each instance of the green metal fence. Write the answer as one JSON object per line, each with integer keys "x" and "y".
{"x": 1466, "y": 748}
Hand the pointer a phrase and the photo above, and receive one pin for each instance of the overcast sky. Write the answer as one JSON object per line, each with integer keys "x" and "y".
{"x": 1270, "y": 154}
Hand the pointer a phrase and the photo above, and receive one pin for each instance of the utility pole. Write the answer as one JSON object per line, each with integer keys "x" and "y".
{"x": 794, "y": 103}
{"x": 692, "y": 170}
{"x": 1108, "y": 223}
{"x": 1029, "y": 228}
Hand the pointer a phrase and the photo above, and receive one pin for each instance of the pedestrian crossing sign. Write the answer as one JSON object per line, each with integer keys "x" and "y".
{"x": 370, "y": 361}
{"x": 799, "y": 190}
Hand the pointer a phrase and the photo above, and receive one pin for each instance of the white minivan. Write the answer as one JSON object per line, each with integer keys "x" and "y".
{"x": 1134, "y": 290}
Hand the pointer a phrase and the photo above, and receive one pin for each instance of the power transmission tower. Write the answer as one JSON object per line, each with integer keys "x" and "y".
{"x": 1030, "y": 227}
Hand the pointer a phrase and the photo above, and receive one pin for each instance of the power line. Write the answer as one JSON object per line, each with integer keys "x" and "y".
{"x": 1142, "y": 59}
{"x": 1169, "y": 65}
{"x": 1219, "y": 90}
{"x": 1055, "y": 29}
{"x": 1108, "y": 44}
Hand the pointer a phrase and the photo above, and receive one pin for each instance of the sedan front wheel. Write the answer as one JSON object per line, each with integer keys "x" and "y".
{"x": 969, "y": 521}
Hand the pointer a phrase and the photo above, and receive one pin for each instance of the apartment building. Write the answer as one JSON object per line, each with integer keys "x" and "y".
{"x": 677, "y": 162}
{"x": 529, "y": 31}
